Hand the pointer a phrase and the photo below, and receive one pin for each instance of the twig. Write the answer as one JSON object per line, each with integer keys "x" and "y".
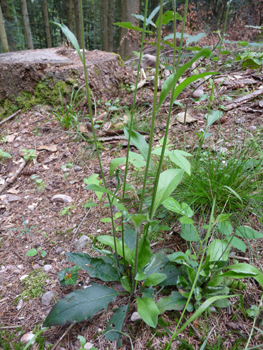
{"x": 6, "y": 327}
{"x": 238, "y": 257}
{"x": 61, "y": 338}
{"x": 15, "y": 176}
{"x": 20, "y": 257}
{"x": 76, "y": 230}
{"x": 10, "y": 117}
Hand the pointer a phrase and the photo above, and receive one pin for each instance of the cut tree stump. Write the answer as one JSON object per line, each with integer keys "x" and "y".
{"x": 21, "y": 72}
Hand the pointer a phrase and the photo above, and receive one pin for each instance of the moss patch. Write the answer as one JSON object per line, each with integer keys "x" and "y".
{"x": 33, "y": 285}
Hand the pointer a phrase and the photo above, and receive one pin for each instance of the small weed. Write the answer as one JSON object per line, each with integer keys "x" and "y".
{"x": 29, "y": 154}
{"x": 24, "y": 230}
{"x": 4, "y": 155}
{"x": 34, "y": 252}
{"x": 40, "y": 183}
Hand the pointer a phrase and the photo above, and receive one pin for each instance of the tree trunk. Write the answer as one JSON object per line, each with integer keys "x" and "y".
{"x": 70, "y": 7}
{"x": 27, "y": 30}
{"x": 78, "y": 22}
{"x": 8, "y": 25}
{"x": 129, "y": 43}
{"x": 110, "y": 26}
{"x": 95, "y": 26}
{"x": 49, "y": 44}
{"x": 104, "y": 12}
{"x": 3, "y": 36}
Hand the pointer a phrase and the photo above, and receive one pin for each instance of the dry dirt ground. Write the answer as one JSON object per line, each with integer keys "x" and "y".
{"x": 30, "y": 217}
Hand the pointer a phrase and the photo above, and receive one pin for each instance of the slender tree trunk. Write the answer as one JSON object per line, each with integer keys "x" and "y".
{"x": 78, "y": 22}
{"x": 104, "y": 12}
{"x": 95, "y": 26}
{"x": 129, "y": 43}
{"x": 110, "y": 26}
{"x": 27, "y": 30}
{"x": 48, "y": 36}
{"x": 3, "y": 36}
{"x": 8, "y": 25}
{"x": 70, "y": 7}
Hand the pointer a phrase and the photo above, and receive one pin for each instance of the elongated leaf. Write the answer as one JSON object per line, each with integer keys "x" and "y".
{"x": 155, "y": 11}
{"x": 117, "y": 320}
{"x": 148, "y": 311}
{"x": 172, "y": 205}
{"x": 128, "y": 25}
{"x": 181, "y": 161}
{"x": 248, "y": 233}
{"x": 115, "y": 163}
{"x": 154, "y": 279}
{"x": 168, "y": 181}
{"x": 71, "y": 37}
{"x": 243, "y": 268}
{"x": 109, "y": 240}
{"x": 139, "y": 142}
{"x": 194, "y": 38}
{"x": 178, "y": 36}
{"x": 202, "y": 308}
{"x": 100, "y": 267}
{"x": 142, "y": 19}
{"x": 173, "y": 78}
{"x": 144, "y": 253}
{"x": 174, "y": 302}
{"x": 188, "y": 81}
{"x": 80, "y": 305}
{"x": 234, "y": 193}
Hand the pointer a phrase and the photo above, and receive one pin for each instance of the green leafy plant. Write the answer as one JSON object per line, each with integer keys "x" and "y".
{"x": 29, "y": 154}
{"x": 40, "y": 183}
{"x": 25, "y": 229}
{"x": 67, "y": 115}
{"x": 34, "y": 252}
{"x": 83, "y": 342}
{"x": 4, "y": 155}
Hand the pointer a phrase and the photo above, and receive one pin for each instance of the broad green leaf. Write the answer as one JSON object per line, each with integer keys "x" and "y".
{"x": 222, "y": 303}
{"x": 31, "y": 252}
{"x": 225, "y": 228}
{"x": 167, "y": 17}
{"x": 140, "y": 276}
{"x": 218, "y": 250}
{"x": 186, "y": 220}
{"x": 178, "y": 257}
{"x": 248, "y": 233}
{"x": 180, "y": 161}
{"x": 174, "y": 302}
{"x": 178, "y": 36}
{"x": 212, "y": 117}
{"x": 80, "y": 305}
{"x": 170, "y": 82}
{"x": 247, "y": 268}
{"x": 117, "y": 320}
{"x": 222, "y": 218}
{"x": 139, "y": 142}
{"x": 168, "y": 181}
{"x": 148, "y": 311}
{"x": 128, "y": 25}
{"x": 71, "y": 37}
{"x": 105, "y": 220}
{"x": 115, "y": 163}
{"x": 89, "y": 205}
{"x": 154, "y": 279}
{"x": 155, "y": 11}
{"x": 189, "y": 233}
{"x": 238, "y": 244}
{"x": 68, "y": 276}
{"x": 129, "y": 237}
{"x": 100, "y": 267}
{"x": 172, "y": 205}
{"x": 139, "y": 218}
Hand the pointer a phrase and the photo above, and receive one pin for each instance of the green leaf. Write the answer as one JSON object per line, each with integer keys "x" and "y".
{"x": 174, "y": 302}
{"x": 115, "y": 163}
{"x": 170, "y": 82}
{"x": 89, "y": 205}
{"x": 247, "y": 268}
{"x": 138, "y": 219}
{"x": 180, "y": 161}
{"x": 225, "y": 228}
{"x": 139, "y": 142}
{"x": 168, "y": 181}
{"x": 189, "y": 233}
{"x": 167, "y": 17}
{"x": 212, "y": 117}
{"x": 100, "y": 267}
{"x": 222, "y": 303}
{"x": 140, "y": 276}
{"x": 144, "y": 253}
{"x": 248, "y": 233}
{"x": 109, "y": 240}
{"x": 154, "y": 279}
{"x": 238, "y": 244}
{"x": 194, "y": 38}
{"x": 186, "y": 220}
{"x": 148, "y": 311}
{"x": 80, "y": 305}
{"x": 117, "y": 320}
{"x": 128, "y": 25}
{"x": 125, "y": 282}
{"x": 222, "y": 218}
{"x": 71, "y": 37}
{"x": 68, "y": 276}
{"x": 31, "y": 252}
{"x": 234, "y": 193}
{"x": 172, "y": 205}
{"x": 43, "y": 253}
{"x": 105, "y": 220}
{"x": 218, "y": 250}
{"x": 93, "y": 179}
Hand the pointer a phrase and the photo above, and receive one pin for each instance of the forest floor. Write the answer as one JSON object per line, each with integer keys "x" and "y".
{"x": 31, "y": 217}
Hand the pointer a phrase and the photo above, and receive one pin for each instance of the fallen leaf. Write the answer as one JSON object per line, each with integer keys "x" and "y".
{"x": 10, "y": 138}
{"x": 50, "y": 148}
{"x": 180, "y": 118}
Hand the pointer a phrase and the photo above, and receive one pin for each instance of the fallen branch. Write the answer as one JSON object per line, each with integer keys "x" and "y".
{"x": 243, "y": 99}
{"x": 15, "y": 176}
{"x": 10, "y": 117}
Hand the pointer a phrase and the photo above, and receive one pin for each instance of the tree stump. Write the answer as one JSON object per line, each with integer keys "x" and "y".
{"x": 38, "y": 75}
